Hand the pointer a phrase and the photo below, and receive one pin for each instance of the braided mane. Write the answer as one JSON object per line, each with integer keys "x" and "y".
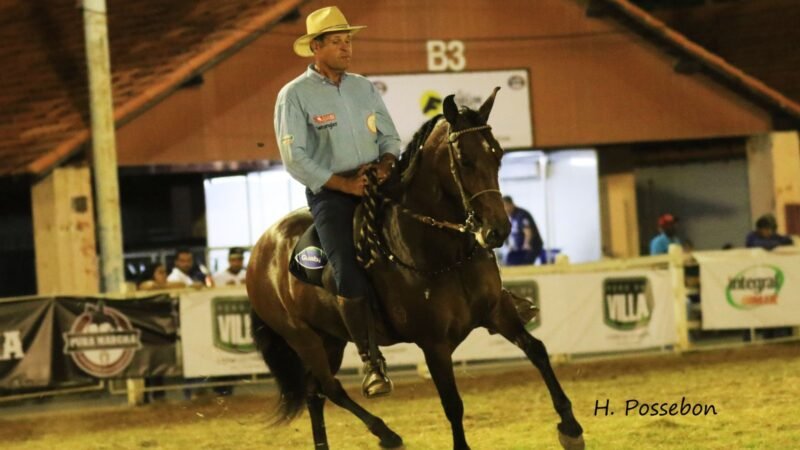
{"x": 409, "y": 159}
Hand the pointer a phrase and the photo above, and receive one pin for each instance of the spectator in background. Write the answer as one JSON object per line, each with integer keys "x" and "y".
{"x": 235, "y": 272}
{"x": 182, "y": 272}
{"x": 659, "y": 245}
{"x": 154, "y": 277}
{"x": 524, "y": 242}
{"x": 765, "y": 234}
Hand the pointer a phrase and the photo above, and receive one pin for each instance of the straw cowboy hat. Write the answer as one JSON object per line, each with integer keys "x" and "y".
{"x": 325, "y": 20}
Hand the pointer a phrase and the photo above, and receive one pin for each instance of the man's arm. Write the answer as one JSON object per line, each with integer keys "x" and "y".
{"x": 388, "y": 137}
{"x": 291, "y": 131}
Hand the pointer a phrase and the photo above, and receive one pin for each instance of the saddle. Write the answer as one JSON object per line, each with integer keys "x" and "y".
{"x": 309, "y": 261}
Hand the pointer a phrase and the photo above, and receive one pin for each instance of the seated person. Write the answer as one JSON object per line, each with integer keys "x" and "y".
{"x": 765, "y": 235}
{"x": 154, "y": 277}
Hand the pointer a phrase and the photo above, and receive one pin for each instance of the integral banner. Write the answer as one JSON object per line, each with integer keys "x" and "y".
{"x": 750, "y": 288}
{"x": 49, "y": 341}
{"x": 215, "y": 334}
{"x": 412, "y": 99}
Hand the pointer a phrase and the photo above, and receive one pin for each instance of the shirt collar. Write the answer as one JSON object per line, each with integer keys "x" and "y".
{"x": 313, "y": 74}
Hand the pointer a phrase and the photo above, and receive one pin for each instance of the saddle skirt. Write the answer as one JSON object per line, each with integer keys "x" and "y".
{"x": 309, "y": 263}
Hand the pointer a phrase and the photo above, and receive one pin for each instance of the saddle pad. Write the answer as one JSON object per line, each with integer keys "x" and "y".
{"x": 308, "y": 259}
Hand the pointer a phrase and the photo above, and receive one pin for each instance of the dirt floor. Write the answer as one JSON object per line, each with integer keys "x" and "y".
{"x": 755, "y": 392}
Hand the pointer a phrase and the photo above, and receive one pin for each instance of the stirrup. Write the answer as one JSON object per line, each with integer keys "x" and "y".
{"x": 376, "y": 383}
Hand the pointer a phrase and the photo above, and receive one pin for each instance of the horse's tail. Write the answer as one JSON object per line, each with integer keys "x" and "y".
{"x": 285, "y": 366}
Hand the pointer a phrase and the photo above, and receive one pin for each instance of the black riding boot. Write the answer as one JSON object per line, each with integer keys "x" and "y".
{"x": 356, "y": 315}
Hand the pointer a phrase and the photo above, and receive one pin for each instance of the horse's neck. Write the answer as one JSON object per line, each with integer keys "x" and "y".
{"x": 429, "y": 246}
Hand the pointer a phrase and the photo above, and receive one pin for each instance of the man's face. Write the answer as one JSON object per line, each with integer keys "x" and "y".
{"x": 184, "y": 262}
{"x": 765, "y": 232}
{"x": 509, "y": 207}
{"x": 334, "y": 51}
{"x": 235, "y": 263}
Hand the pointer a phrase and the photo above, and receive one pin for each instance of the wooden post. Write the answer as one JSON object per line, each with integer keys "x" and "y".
{"x": 135, "y": 388}
{"x": 64, "y": 233}
{"x": 104, "y": 152}
{"x": 773, "y": 164}
{"x": 619, "y": 213}
{"x": 679, "y": 296}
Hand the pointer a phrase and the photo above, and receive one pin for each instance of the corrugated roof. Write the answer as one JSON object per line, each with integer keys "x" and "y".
{"x": 156, "y": 46}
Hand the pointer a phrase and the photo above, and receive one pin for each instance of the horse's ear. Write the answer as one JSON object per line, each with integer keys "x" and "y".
{"x": 450, "y": 110}
{"x": 486, "y": 107}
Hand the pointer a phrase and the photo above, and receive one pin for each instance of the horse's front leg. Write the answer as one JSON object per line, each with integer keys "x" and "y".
{"x": 440, "y": 365}
{"x": 505, "y": 320}
{"x": 315, "y": 402}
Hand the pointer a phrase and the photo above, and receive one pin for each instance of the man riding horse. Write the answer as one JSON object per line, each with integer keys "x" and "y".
{"x": 331, "y": 127}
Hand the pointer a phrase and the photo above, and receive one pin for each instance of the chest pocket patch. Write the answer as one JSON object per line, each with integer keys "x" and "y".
{"x": 324, "y": 121}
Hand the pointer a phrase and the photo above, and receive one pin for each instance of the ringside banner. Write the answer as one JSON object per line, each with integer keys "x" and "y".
{"x": 48, "y": 341}
{"x": 749, "y": 288}
{"x": 412, "y": 99}
{"x": 215, "y": 334}
{"x": 26, "y": 341}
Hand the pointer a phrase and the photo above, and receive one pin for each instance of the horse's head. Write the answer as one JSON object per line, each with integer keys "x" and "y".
{"x": 468, "y": 160}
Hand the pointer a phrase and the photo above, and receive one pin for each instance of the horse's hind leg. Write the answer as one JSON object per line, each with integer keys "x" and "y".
{"x": 505, "y": 320}
{"x": 313, "y": 353}
{"x": 440, "y": 364}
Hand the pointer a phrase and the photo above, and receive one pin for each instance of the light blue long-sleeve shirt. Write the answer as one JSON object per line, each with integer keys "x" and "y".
{"x": 323, "y": 129}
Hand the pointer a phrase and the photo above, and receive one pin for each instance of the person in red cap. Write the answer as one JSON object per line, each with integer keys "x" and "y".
{"x": 667, "y": 223}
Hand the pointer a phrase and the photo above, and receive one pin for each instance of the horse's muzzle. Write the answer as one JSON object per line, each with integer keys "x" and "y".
{"x": 490, "y": 237}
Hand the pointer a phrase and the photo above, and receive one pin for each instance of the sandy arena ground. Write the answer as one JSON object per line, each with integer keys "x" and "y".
{"x": 755, "y": 392}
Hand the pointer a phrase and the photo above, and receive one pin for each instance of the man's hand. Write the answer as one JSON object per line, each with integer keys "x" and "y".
{"x": 384, "y": 167}
{"x": 354, "y": 185}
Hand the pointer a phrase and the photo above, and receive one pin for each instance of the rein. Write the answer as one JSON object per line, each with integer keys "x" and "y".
{"x": 370, "y": 243}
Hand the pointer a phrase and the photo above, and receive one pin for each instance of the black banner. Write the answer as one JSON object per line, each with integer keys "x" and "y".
{"x": 26, "y": 343}
{"x": 67, "y": 340}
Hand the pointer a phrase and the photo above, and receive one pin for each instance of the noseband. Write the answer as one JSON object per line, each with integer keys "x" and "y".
{"x": 455, "y": 163}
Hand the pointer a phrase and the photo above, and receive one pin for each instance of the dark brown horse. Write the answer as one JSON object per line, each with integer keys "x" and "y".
{"x": 435, "y": 275}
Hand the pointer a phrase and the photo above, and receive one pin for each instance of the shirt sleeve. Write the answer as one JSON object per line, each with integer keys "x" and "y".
{"x": 291, "y": 131}
{"x": 388, "y": 138}
{"x": 658, "y": 246}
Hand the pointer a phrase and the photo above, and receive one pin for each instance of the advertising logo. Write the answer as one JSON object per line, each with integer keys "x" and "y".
{"x": 755, "y": 286}
{"x": 11, "y": 346}
{"x": 430, "y": 103}
{"x": 231, "y": 316}
{"x": 313, "y": 258}
{"x": 102, "y": 341}
{"x": 627, "y": 303}
{"x": 528, "y": 290}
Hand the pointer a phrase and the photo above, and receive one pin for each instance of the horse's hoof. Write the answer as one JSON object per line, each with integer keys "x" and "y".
{"x": 571, "y": 443}
{"x": 393, "y": 442}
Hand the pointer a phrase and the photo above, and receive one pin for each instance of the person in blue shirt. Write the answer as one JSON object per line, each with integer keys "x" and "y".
{"x": 766, "y": 235}
{"x": 524, "y": 242}
{"x": 667, "y": 223}
{"x": 332, "y": 126}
